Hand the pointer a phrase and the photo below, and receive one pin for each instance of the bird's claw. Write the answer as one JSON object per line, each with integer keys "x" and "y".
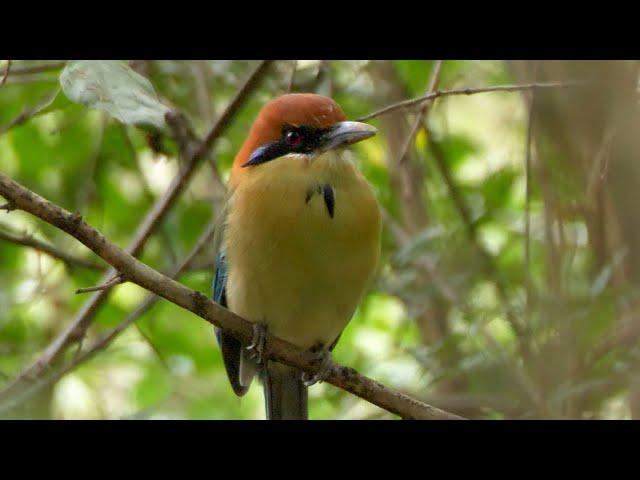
{"x": 258, "y": 342}
{"x": 324, "y": 356}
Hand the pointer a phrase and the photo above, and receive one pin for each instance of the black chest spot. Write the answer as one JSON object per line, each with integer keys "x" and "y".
{"x": 328, "y": 196}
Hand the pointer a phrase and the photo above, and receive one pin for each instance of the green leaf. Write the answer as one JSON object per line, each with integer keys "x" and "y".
{"x": 415, "y": 74}
{"x": 113, "y": 87}
{"x": 457, "y": 149}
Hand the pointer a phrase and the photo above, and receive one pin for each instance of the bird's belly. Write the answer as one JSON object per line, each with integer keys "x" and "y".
{"x": 295, "y": 268}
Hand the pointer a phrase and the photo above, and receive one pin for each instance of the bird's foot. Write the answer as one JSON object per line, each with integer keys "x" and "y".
{"x": 324, "y": 358}
{"x": 258, "y": 342}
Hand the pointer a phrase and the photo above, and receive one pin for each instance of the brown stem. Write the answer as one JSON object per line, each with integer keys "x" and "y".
{"x": 54, "y": 252}
{"x": 137, "y": 272}
{"x": 467, "y": 91}
{"x": 193, "y": 152}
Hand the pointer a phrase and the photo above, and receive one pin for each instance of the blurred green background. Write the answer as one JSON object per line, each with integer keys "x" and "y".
{"x": 493, "y": 299}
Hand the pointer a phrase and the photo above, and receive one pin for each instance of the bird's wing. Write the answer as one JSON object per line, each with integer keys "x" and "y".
{"x": 230, "y": 347}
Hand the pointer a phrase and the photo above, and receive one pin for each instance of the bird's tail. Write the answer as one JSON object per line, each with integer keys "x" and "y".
{"x": 285, "y": 395}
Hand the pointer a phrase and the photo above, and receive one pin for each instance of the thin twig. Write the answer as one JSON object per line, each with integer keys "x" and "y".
{"x": 88, "y": 187}
{"x": 279, "y": 350}
{"x": 37, "y": 68}
{"x": 200, "y": 72}
{"x": 433, "y": 85}
{"x": 193, "y": 152}
{"x": 402, "y": 239}
{"x": 223, "y": 121}
{"x": 7, "y": 69}
{"x": 31, "y": 112}
{"x": 292, "y": 77}
{"x": 54, "y": 252}
{"x": 470, "y": 227}
{"x": 116, "y": 280}
{"x": 527, "y": 211}
{"x": 107, "y": 338}
{"x": 323, "y": 83}
{"x": 468, "y": 91}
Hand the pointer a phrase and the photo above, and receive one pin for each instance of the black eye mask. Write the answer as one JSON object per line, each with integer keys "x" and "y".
{"x": 303, "y": 140}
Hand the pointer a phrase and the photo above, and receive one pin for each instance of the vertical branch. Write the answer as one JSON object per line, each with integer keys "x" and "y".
{"x": 527, "y": 210}
{"x": 324, "y": 81}
{"x": 422, "y": 113}
{"x": 7, "y": 69}
{"x": 470, "y": 228}
{"x": 200, "y": 71}
{"x": 552, "y": 222}
{"x": 292, "y": 77}
{"x": 407, "y": 182}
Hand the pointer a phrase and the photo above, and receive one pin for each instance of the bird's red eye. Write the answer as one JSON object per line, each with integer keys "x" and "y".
{"x": 293, "y": 138}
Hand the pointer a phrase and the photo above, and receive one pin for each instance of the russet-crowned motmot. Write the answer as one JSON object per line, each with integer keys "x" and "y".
{"x": 300, "y": 242}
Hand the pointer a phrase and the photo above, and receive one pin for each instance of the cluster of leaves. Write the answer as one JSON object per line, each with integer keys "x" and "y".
{"x": 91, "y": 137}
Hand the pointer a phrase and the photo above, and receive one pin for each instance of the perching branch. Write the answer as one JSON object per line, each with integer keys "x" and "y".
{"x": 137, "y": 272}
{"x": 193, "y": 151}
{"x": 105, "y": 340}
{"x": 467, "y": 91}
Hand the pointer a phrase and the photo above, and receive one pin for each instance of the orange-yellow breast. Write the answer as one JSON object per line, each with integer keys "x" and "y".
{"x": 291, "y": 265}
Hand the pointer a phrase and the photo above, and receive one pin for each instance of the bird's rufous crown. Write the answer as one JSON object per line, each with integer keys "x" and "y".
{"x": 293, "y": 109}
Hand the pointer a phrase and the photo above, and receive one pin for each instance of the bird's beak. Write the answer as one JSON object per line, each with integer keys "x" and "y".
{"x": 347, "y": 133}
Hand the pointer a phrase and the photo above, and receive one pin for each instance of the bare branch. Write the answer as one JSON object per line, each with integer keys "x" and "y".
{"x": 527, "y": 211}
{"x": 54, "y": 252}
{"x": 45, "y": 67}
{"x": 433, "y": 85}
{"x": 223, "y": 122}
{"x": 7, "y": 69}
{"x": 30, "y": 112}
{"x": 467, "y": 91}
{"x": 277, "y": 349}
{"x": 471, "y": 230}
{"x": 292, "y": 77}
{"x": 105, "y": 340}
{"x": 115, "y": 280}
{"x": 402, "y": 239}
{"x": 193, "y": 152}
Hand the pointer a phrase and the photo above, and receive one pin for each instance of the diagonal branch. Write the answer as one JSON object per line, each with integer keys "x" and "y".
{"x": 45, "y": 67}
{"x": 193, "y": 151}
{"x": 472, "y": 234}
{"x": 105, "y": 340}
{"x": 137, "y": 272}
{"x": 115, "y": 280}
{"x": 30, "y": 112}
{"x": 54, "y": 252}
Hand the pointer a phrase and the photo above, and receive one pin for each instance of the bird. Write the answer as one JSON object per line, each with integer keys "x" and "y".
{"x": 299, "y": 243}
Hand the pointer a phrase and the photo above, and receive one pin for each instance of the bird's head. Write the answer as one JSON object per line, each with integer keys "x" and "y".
{"x": 302, "y": 124}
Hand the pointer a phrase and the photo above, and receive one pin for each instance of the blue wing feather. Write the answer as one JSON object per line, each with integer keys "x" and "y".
{"x": 231, "y": 348}
{"x": 220, "y": 280}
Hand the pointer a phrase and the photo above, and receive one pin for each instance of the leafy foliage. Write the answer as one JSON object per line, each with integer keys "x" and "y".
{"x": 85, "y": 150}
